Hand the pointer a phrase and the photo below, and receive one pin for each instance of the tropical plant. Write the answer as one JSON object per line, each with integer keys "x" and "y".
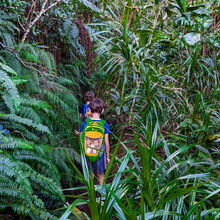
{"x": 155, "y": 64}
{"x": 152, "y": 187}
{"x": 23, "y": 162}
{"x": 99, "y": 209}
{"x": 159, "y": 77}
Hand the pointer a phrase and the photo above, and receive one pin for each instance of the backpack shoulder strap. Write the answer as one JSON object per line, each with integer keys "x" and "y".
{"x": 102, "y": 121}
{"x": 88, "y": 120}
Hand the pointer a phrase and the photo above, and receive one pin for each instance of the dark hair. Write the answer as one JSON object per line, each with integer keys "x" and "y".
{"x": 89, "y": 96}
{"x": 96, "y": 105}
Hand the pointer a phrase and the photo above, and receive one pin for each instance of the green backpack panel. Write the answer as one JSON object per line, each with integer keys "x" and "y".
{"x": 93, "y": 138}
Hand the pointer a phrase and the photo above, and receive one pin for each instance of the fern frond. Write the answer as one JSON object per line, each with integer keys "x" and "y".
{"x": 28, "y": 122}
{"x": 37, "y": 103}
{"x": 70, "y": 99}
{"x": 47, "y": 60}
{"x": 47, "y": 186}
{"x": 33, "y": 84}
{"x": 6, "y": 37}
{"x": 44, "y": 164}
{"x": 24, "y": 174}
{"x": 8, "y": 58}
{"x": 62, "y": 157}
{"x": 30, "y": 113}
{"x": 17, "y": 192}
{"x": 65, "y": 81}
{"x": 44, "y": 184}
{"x": 23, "y": 207}
{"x": 10, "y": 87}
{"x": 54, "y": 99}
{"x": 51, "y": 85}
{"x": 58, "y": 85}
{"x": 8, "y": 102}
{"x": 7, "y": 69}
{"x": 21, "y": 130}
{"x": 25, "y": 47}
{"x": 36, "y": 55}
{"x": 5, "y": 21}
{"x": 14, "y": 143}
{"x": 9, "y": 168}
{"x": 71, "y": 30}
{"x": 90, "y": 5}
{"x": 2, "y": 59}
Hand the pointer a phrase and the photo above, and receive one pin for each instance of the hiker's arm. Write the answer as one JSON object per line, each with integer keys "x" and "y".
{"x": 81, "y": 129}
{"x": 107, "y": 146}
{"x": 77, "y": 133}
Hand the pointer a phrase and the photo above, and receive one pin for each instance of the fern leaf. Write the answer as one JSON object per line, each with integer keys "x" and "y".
{"x": 39, "y": 104}
{"x": 47, "y": 60}
{"x": 90, "y": 5}
{"x": 25, "y": 47}
{"x": 22, "y": 130}
{"x": 14, "y": 143}
{"x": 7, "y": 39}
{"x": 10, "y": 88}
{"x": 31, "y": 58}
{"x": 30, "y": 113}
{"x": 28, "y": 122}
{"x": 7, "y": 69}
{"x": 55, "y": 100}
{"x": 43, "y": 163}
{"x": 8, "y": 102}
{"x": 9, "y": 167}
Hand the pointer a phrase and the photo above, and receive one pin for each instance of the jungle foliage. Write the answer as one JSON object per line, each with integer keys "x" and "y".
{"x": 156, "y": 66}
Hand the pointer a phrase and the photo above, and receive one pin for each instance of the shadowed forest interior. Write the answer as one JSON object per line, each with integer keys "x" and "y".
{"x": 155, "y": 64}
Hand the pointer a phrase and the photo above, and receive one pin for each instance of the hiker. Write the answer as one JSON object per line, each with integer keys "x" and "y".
{"x": 84, "y": 111}
{"x": 95, "y": 138}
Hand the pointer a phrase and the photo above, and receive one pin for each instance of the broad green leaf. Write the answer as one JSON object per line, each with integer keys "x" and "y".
{"x": 71, "y": 209}
{"x": 8, "y": 69}
{"x": 192, "y": 38}
{"x": 45, "y": 148}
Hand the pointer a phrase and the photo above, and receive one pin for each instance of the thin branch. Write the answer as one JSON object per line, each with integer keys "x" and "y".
{"x": 28, "y": 65}
{"x": 154, "y": 26}
{"x": 171, "y": 88}
{"x": 11, "y": 49}
{"x": 42, "y": 11}
{"x": 31, "y": 11}
{"x": 20, "y": 24}
{"x": 138, "y": 82}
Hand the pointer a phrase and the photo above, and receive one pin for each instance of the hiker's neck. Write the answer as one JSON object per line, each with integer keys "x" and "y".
{"x": 95, "y": 115}
{"x": 87, "y": 102}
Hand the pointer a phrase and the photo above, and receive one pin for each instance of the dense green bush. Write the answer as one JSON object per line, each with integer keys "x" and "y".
{"x": 157, "y": 69}
{"x": 159, "y": 77}
{"x": 39, "y": 108}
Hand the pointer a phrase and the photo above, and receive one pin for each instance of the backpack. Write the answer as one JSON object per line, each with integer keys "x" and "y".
{"x": 86, "y": 111}
{"x": 93, "y": 139}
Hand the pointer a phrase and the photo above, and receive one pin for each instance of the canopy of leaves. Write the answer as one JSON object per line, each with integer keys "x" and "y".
{"x": 156, "y": 66}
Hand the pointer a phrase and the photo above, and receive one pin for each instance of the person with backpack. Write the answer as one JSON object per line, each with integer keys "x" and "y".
{"x": 94, "y": 133}
{"x": 84, "y": 111}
